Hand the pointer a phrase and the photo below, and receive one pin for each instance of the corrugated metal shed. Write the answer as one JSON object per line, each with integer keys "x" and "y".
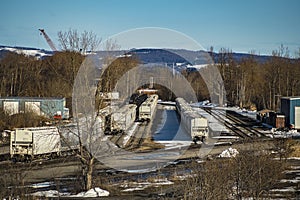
{"x": 48, "y": 106}
{"x": 288, "y": 106}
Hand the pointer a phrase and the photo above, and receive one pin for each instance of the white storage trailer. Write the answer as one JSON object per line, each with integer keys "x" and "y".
{"x": 26, "y": 143}
{"x": 195, "y": 124}
{"x": 122, "y": 119}
{"x": 147, "y": 108}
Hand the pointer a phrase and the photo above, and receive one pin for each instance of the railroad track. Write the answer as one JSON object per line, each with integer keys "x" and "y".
{"x": 118, "y": 139}
{"x": 247, "y": 123}
{"x": 233, "y": 123}
{"x": 138, "y": 138}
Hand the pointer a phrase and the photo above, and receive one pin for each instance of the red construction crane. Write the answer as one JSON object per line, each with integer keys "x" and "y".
{"x": 49, "y": 41}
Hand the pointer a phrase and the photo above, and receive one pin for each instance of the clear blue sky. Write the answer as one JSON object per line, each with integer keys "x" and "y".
{"x": 243, "y": 26}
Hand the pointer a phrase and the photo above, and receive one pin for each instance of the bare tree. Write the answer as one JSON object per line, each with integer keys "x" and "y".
{"x": 86, "y": 130}
{"x": 87, "y": 133}
{"x": 72, "y": 40}
{"x": 251, "y": 174}
{"x": 210, "y": 180}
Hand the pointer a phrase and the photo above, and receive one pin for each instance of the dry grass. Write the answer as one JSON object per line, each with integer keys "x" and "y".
{"x": 296, "y": 150}
{"x": 149, "y": 144}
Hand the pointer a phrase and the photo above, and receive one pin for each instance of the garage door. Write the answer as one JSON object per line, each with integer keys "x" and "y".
{"x": 297, "y": 117}
{"x": 11, "y": 107}
{"x": 33, "y": 107}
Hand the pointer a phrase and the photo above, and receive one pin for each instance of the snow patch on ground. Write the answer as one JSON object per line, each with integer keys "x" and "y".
{"x": 290, "y": 181}
{"x": 134, "y": 186}
{"x": 291, "y": 171}
{"x": 130, "y": 132}
{"x": 284, "y": 134}
{"x": 49, "y": 193}
{"x": 29, "y": 52}
{"x": 95, "y": 192}
{"x": 41, "y": 185}
{"x": 294, "y": 158}
{"x": 229, "y": 153}
{"x": 288, "y": 189}
{"x": 295, "y": 167}
{"x": 173, "y": 144}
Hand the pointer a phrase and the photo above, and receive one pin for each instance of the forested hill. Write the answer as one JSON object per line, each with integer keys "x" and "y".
{"x": 150, "y": 55}
{"x": 194, "y": 57}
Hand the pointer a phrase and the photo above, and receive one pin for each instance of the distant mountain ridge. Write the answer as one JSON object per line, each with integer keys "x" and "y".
{"x": 194, "y": 57}
{"x": 167, "y": 56}
{"x": 38, "y": 53}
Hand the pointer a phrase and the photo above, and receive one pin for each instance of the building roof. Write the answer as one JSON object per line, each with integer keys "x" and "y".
{"x": 291, "y": 98}
{"x": 32, "y": 98}
{"x": 265, "y": 111}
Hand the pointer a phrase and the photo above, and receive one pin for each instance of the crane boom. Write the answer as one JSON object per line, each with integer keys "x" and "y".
{"x": 49, "y": 41}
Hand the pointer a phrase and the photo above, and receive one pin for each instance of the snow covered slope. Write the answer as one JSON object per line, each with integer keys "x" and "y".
{"x": 38, "y": 53}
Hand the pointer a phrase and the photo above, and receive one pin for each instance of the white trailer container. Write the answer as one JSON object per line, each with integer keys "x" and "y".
{"x": 27, "y": 143}
{"x": 148, "y": 108}
{"x": 122, "y": 119}
{"x": 195, "y": 124}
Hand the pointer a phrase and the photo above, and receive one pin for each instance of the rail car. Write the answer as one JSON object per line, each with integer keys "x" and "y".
{"x": 137, "y": 99}
{"x": 26, "y": 143}
{"x": 147, "y": 108}
{"x": 195, "y": 124}
{"x": 120, "y": 120}
{"x": 37, "y": 142}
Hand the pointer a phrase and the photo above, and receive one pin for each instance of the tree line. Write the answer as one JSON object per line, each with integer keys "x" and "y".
{"x": 248, "y": 83}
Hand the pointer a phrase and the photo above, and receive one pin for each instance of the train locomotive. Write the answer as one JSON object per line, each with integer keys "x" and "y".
{"x": 195, "y": 124}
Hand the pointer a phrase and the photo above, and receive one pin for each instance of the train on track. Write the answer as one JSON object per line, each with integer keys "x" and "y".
{"x": 147, "y": 108}
{"x": 140, "y": 108}
{"x": 137, "y": 99}
{"x": 195, "y": 124}
{"x": 37, "y": 142}
{"x": 120, "y": 120}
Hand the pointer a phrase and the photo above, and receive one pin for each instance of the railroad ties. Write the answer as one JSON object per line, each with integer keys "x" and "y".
{"x": 141, "y": 129}
{"x": 239, "y": 126}
{"x": 233, "y": 121}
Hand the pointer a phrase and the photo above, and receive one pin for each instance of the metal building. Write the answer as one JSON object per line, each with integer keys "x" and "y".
{"x": 290, "y": 107}
{"x": 49, "y": 107}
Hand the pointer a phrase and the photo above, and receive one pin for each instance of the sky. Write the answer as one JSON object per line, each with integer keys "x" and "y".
{"x": 241, "y": 26}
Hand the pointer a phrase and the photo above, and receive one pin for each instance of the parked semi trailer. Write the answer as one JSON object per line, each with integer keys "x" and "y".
{"x": 29, "y": 143}
{"x": 147, "y": 108}
{"x": 195, "y": 124}
{"x": 120, "y": 120}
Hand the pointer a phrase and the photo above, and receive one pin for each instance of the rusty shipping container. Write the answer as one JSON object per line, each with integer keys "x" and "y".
{"x": 279, "y": 121}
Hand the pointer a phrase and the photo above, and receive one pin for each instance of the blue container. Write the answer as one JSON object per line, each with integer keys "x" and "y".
{"x": 287, "y": 107}
{"x": 48, "y": 106}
